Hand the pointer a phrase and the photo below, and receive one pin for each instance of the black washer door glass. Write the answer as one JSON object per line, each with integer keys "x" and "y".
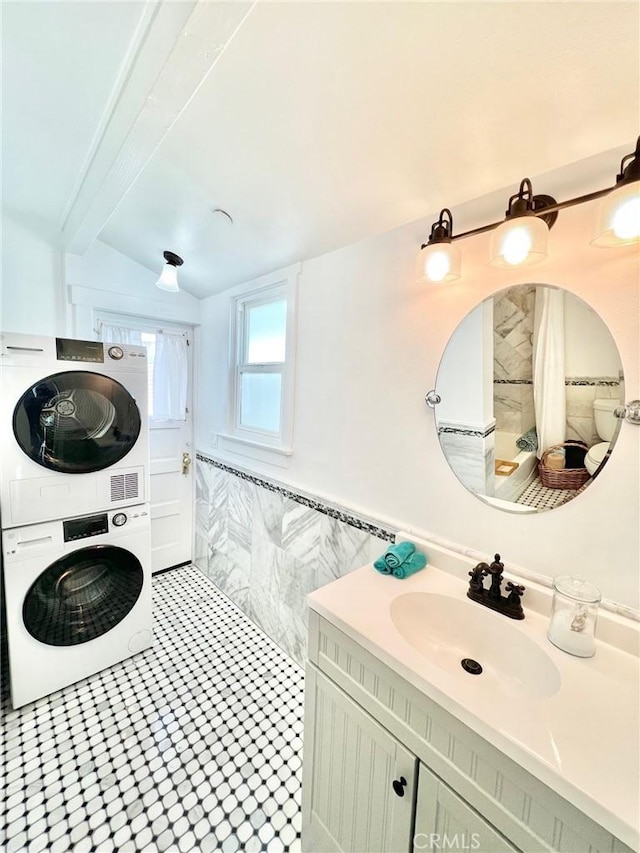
{"x": 76, "y": 422}
{"x": 83, "y": 595}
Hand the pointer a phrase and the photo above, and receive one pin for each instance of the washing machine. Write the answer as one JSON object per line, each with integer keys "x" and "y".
{"x": 78, "y": 598}
{"x": 73, "y": 427}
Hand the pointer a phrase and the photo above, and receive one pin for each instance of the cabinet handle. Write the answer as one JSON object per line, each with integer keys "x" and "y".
{"x": 399, "y": 786}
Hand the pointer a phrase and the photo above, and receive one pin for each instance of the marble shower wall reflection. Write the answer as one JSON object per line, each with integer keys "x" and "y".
{"x": 267, "y": 550}
{"x": 513, "y": 314}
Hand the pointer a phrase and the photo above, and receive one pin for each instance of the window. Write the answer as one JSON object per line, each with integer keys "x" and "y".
{"x": 167, "y": 360}
{"x": 262, "y": 338}
{"x": 262, "y": 355}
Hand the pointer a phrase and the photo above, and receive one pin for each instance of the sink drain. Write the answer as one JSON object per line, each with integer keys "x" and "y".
{"x": 471, "y": 666}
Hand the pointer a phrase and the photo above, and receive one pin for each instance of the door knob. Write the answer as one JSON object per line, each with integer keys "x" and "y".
{"x": 399, "y": 785}
{"x": 186, "y": 462}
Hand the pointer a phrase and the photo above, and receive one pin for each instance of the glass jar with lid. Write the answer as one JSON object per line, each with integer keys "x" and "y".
{"x": 573, "y": 618}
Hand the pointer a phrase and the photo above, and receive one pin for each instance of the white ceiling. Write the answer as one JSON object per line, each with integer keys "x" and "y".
{"x": 59, "y": 66}
{"x": 314, "y": 124}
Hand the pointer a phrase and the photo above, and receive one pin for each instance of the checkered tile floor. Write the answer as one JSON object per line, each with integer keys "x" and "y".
{"x": 193, "y": 745}
{"x": 542, "y": 497}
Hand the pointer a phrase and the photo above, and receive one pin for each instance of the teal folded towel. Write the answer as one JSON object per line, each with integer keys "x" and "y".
{"x": 381, "y": 566}
{"x": 410, "y": 566}
{"x": 395, "y": 555}
{"x": 528, "y": 441}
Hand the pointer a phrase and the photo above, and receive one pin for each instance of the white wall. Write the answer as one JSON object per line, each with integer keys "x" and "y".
{"x": 32, "y": 288}
{"x": 369, "y": 344}
{"x": 590, "y": 350}
{"x": 466, "y": 372}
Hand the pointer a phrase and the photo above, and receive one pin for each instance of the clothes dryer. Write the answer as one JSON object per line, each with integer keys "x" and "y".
{"x": 73, "y": 427}
{"x": 78, "y": 598}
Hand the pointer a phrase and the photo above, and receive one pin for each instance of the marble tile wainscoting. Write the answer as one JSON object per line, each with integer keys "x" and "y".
{"x": 471, "y": 454}
{"x": 266, "y": 547}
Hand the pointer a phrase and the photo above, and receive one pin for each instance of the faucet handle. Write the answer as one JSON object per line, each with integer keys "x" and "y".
{"x": 516, "y": 592}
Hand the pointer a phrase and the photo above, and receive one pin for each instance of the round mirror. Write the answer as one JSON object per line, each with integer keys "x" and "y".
{"x": 528, "y": 383}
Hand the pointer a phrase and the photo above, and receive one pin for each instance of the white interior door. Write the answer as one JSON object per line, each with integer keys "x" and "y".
{"x": 171, "y": 492}
{"x": 170, "y": 447}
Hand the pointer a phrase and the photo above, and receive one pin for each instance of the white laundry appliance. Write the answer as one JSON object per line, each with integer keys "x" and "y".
{"x": 78, "y": 598}
{"x": 73, "y": 427}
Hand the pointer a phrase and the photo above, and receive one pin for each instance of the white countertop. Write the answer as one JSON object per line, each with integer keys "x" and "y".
{"x": 582, "y": 741}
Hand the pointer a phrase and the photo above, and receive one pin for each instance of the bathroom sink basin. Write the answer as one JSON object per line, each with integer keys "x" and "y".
{"x": 446, "y": 630}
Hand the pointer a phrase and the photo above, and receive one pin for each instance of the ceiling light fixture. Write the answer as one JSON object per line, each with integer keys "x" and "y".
{"x": 169, "y": 276}
{"x": 521, "y": 238}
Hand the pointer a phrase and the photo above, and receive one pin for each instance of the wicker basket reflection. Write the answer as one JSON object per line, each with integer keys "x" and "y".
{"x": 566, "y": 478}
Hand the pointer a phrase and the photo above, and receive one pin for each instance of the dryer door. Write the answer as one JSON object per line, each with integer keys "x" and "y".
{"x": 83, "y": 595}
{"x": 76, "y": 422}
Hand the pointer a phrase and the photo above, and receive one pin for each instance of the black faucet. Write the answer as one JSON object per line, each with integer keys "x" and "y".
{"x": 510, "y": 604}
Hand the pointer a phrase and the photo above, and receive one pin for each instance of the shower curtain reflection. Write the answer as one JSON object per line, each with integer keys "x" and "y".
{"x": 549, "y": 368}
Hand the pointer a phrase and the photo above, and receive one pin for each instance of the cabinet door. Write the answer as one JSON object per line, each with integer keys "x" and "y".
{"x": 444, "y": 821}
{"x": 349, "y": 803}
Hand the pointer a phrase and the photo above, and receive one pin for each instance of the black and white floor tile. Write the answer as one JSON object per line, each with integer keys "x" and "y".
{"x": 193, "y": 745}
{"x": 541, "y": 497}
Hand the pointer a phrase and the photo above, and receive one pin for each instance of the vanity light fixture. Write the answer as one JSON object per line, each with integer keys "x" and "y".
{"x": 169, "y": 276}
{"x": 439, "y": 260}
{"x": 619, "y": 214}
{"x": 521, "y": 238}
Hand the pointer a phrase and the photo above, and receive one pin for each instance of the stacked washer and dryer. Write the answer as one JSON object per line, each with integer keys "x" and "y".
{"x": 74, "y": 474}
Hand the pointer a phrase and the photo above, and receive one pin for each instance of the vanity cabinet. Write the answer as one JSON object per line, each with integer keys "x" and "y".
{"x": 387, "y": 770}
{"x": 352, "y": 802}
{"x": 366, "y": 793}
{"x": 444, "y": 821}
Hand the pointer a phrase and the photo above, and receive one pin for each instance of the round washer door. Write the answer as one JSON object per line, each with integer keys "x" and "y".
{"x": 76, "y": 422}
{"x": 83, "y": 595}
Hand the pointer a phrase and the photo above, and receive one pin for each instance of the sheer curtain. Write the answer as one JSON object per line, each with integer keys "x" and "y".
{"x": 548, "y": 368}
{"x": 168, "y": 367}
{"x": 119, "y": 334}
{"x": 170, "y": 372}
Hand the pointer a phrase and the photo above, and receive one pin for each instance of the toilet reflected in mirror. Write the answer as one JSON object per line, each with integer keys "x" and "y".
{"x": 529, "y": 382}
{"x": 606, "y": 426}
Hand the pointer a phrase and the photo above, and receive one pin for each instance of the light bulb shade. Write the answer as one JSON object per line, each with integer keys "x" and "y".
{"x": 438, "y": 263}
{"x": 519, "y": 241}
{"x": 619, "y": 217}
{"x": 168, "y": 279}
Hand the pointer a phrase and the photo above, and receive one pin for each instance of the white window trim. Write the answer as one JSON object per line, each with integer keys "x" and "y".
{"x": 259, "y": 445}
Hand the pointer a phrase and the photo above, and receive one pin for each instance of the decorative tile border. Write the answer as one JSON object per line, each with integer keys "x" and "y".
{"x": 606, "y": 381}
{"x": 475, "y": 433}
{"x": 603, "y": 381}
{"x": 311, "y": 503}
